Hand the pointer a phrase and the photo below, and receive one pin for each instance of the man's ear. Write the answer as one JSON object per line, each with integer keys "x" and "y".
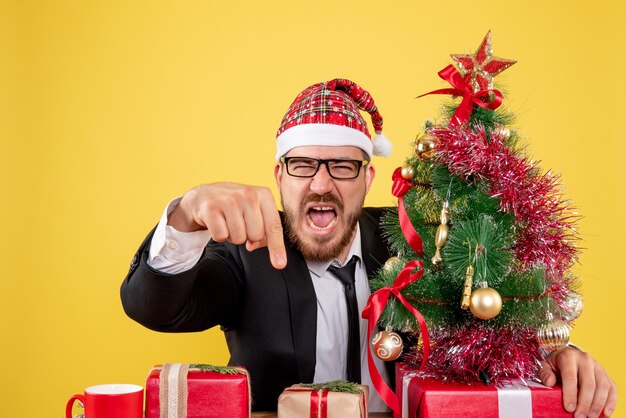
{"x": 278, "y": 173}
{"x": 370, "y": 173}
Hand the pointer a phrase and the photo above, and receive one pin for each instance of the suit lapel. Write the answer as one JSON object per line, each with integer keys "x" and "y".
{"x": 375, "y": 253}
{"x": 374, "y": 249}
{"x": 303, "y": 308}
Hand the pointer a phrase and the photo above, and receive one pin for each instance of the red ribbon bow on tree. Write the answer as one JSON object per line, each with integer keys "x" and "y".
{"x": 374, "y": 308}
{"x": 463, "y": 89}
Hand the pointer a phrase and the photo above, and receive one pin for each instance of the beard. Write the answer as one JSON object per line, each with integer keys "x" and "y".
{"x": 317, "y": 248}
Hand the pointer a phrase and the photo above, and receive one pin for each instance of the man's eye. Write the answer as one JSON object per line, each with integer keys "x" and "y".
{"x": 343, "y": 167}
{"x": 302, "y": 164}
{"x": 302, "y": 167}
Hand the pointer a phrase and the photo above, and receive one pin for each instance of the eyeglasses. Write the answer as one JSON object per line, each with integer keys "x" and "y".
{"x": 337, "y": 169}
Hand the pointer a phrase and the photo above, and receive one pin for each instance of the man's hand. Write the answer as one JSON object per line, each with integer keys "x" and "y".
{"x": 587, "y": 388}
{"x": 235, "y": 213}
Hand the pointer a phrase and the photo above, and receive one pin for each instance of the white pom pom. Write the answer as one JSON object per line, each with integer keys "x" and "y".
{"x": 382, "y": 146}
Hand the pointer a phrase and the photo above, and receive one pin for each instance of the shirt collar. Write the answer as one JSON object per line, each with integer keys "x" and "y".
{"x": 318, "y": 268}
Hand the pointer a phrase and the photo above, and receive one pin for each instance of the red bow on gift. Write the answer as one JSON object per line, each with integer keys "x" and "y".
{"x": 374, "y": 308}
{"x": 463, "y": 89}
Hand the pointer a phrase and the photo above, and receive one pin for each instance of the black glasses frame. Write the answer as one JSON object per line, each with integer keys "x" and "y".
{"x": 359, "y": 164}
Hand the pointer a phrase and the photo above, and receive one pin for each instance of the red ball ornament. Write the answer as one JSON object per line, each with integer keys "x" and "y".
{"x": 387, "y": 345}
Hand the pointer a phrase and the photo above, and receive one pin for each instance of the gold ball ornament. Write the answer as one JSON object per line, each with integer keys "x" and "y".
{"x": 502, "y": 132}
{"x": 485, "y": 303}
{"x": 553, "y": 334}
{"x": 426, "y": 146}
{"x": 387, "y": 345}
{"x": 393, "y": 264}
{"x": 407, "y": 172}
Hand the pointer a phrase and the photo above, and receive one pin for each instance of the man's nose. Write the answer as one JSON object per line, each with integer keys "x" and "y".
{"x": 322, "y": 182}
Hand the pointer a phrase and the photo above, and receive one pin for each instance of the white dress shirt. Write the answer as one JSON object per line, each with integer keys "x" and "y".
{"x": 331, "y": 356}
{"x": 172, "y": 251}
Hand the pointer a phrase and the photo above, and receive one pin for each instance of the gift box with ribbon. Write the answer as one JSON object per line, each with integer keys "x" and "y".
{"x": 429, "y": 398}
{"x": 325, "y": 400}
{"x": 197, "y": 391}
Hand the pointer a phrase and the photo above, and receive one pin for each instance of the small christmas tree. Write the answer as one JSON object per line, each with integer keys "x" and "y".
{"x": 490, "y": 235}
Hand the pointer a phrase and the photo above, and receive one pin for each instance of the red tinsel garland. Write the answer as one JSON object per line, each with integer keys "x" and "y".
{"x": 546, "y": 227}
{"x": 461, "y": 352}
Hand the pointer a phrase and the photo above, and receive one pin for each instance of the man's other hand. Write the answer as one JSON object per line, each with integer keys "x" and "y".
{"x": 587, "y": 388}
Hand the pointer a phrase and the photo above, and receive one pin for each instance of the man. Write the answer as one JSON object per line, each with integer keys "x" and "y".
{"x": 223, "y": 255}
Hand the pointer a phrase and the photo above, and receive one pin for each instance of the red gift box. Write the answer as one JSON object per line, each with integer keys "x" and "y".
{"x": 429, "y": 398}
{"x": 207, "y": 394}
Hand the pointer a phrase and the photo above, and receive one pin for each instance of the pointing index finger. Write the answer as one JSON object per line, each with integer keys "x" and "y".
{"x": 273, "y": 232}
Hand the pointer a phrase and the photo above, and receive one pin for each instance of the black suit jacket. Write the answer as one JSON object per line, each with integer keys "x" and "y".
{"x": 268, "y": 316}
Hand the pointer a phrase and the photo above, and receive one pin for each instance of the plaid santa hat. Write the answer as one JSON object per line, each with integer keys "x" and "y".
{"x": 328, "y": 114}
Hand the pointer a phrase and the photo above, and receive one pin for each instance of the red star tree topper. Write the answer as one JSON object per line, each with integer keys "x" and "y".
{"x": 480, "y": 68}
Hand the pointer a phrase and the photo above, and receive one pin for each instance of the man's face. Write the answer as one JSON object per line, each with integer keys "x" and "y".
{"x": 322, "y": 212}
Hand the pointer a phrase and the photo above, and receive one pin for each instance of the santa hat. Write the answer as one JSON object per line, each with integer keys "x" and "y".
{"x": 328, "y": 114}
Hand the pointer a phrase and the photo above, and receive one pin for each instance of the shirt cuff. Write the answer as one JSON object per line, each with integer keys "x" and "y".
{"x": 545, "y": 353}
{"x": 172, "y": 251}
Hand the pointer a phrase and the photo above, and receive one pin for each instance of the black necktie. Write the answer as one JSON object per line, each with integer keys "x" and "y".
{"x": 345, "y": 275}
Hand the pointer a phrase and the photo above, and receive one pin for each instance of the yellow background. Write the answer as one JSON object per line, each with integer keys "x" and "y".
{"x": 110, "y": 108}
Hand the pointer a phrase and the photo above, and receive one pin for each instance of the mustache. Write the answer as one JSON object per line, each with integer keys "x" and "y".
{"x": 325, "y": 198}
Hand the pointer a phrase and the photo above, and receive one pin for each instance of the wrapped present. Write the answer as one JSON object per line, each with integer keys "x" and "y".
{"x": 197, "y": 391}
{"x": 325, "y": 400}
{"x": 429, "y": 398}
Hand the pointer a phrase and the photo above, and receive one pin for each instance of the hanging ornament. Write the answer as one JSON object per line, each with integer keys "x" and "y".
{"x": 407, "y": 172}
{"x": 393, "y": 264}
{"x": 485, "y": 302}
{"x": 574, "y": 304}
{"x": 467, "y": 288}
{"x": 441, "y": 235}
{"x": 426, "y": 146}
{"x": 553, "y": 334}
{"x": 387, "y": 345}
{"x": 501, "y": 131}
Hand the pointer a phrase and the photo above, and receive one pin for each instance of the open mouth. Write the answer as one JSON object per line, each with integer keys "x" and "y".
{"x": 321, "y": 218}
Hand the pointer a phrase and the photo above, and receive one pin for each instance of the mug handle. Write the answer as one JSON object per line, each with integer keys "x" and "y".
{"x": 70, "y": 404}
